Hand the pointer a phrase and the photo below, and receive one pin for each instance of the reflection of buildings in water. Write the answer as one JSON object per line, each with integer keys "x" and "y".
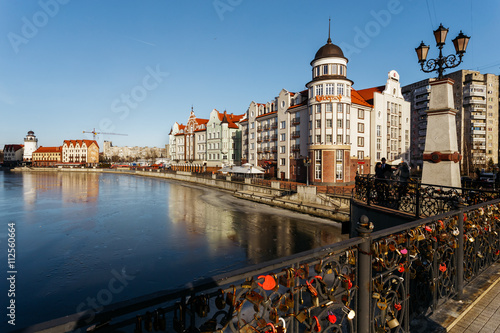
{"x": 79, "y": 186}
{"x": 70, "y": 186}
{"x": 189, "y": 210}
{"x": 263, "y": 235}
{"x": 29, "y": 191}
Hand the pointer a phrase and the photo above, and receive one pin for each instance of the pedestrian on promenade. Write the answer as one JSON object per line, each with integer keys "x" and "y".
{"x": 403, "y": 174}
{"x": 380, "y": 182}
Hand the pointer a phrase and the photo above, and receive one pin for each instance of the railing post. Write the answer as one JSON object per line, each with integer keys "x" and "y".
{"x": 460, "y": 255}
{"x": 363, "y": 315}
{"x": 417, "y": 201}
{"x": 368, "y": 190}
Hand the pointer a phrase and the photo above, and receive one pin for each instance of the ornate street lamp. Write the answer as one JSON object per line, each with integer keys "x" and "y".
{"x": 442, "y": 63}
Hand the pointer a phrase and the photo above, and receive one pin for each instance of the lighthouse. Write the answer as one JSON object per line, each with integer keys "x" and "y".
{"x": 30, "y": 145}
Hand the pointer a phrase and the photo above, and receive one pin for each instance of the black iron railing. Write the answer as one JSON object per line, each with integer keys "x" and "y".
{"x": 416, "y": 198}
{"x": 379, "y": 281}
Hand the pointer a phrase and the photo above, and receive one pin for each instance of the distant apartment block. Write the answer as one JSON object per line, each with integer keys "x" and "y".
{"x": 130, "y": 154}
{"x": 476, "y": 99}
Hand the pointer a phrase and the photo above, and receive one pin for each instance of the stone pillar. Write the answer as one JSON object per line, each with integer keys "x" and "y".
{"x": 441, "y": 158}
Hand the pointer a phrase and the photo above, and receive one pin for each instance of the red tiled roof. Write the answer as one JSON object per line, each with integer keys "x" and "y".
{"x": 13, "y": 147}
{"x": 80, "y": 142}
{"x": 201, "y": 121}
{"x": 297, "y": 105}
{"x": 357, "y": 99}
{"x": 48, "y": 149}
{"x": 367, "y": 94}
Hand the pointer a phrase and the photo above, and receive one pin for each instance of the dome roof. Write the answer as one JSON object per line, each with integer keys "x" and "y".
{"x": 329, "y": 50}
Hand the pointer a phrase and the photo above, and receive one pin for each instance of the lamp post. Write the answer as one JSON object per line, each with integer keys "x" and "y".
{"x": 441, "y": 63}
{"x": 441, "y": 157}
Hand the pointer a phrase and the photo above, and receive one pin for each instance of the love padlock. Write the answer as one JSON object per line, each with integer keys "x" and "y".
{"x": 442, "y": 267}
{"x": 331, "y": 317}
{"x": 220, "y": 301}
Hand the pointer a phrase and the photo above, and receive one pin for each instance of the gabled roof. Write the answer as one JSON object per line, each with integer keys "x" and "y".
{"x": 297, "y": 105}
{"x": 14, "y": 147}
{"x": 88, "y": 143}
{"x": 48, "y": 150}
{"x": 367, "y": 94}
{"x": 356, "y": 98}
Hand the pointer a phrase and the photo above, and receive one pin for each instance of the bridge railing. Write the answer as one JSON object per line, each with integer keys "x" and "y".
{"x": 416, "y": 198}
{"x": 379, "y": 281}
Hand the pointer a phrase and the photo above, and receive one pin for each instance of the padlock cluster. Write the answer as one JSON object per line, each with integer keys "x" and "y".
{"x": 315, "y": 296}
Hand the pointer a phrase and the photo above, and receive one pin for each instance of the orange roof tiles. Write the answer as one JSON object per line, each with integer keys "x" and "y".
{"x": 356, "y": 98}
{"x": 48, "y": 149}
{"x": 80, "y": 142}
{"x": 367, "y": 94}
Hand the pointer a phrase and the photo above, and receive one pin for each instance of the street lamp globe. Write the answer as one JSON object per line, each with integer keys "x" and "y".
{"x": 422, "y": 51}
{"x": 440, "y": 35}
{"x": 460, "y": 42}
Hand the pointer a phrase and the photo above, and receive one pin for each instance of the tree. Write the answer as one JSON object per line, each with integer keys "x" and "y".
{"x": 115, "y": 158}
{"x": 1, "y": 156}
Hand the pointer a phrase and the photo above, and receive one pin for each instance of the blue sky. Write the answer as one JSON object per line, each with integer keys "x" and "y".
{"x": 136, "y": 67}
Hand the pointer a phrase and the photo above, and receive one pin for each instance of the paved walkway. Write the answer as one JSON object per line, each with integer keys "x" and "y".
{"x": 477, "y": 312}
{"x": 482, "y": 316}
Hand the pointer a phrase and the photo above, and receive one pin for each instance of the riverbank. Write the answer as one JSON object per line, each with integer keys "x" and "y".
{"x": 306, "y": 200}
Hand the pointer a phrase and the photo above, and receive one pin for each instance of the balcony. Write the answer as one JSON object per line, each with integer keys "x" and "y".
{"x": 295, "y": 121}
{"x": 474, "y": 90}
{"x": 296, "y": 134}
{"x": 259, "y": 139}
{"x": 421, "y": 98}
{"x": 274, "y": 149}
{"x": 267, "y": 149}
{"x": 295, "y": 147}
{"x": 259, "y": 128}
{"x": 274, "y": 137}
{"x": 259, "y": 150}
{"x": 274, "y": 125}
{"x": 479, "y": 139}
{"x": 478, "y": 116}
{"x": 475, "y": 101}
{"x": 422, "y": 90}
{"x": 478, "y": 132}
{"x": 266, "y": 127}
{"x": 266, "y": 138}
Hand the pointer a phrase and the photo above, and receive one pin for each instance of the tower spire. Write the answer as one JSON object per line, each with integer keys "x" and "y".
{"x": 329, "y": 41}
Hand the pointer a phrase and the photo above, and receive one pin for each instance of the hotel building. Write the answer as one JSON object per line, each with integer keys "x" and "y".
{"x": 325, "y": 134}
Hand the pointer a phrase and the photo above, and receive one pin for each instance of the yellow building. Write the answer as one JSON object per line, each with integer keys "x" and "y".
{"x": 46, "y": 156}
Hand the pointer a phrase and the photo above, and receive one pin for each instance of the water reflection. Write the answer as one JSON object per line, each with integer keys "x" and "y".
{"x": 74, "y": 229}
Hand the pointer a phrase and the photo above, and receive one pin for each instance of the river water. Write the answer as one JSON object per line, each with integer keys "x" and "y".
{"x": 85, "y": 239}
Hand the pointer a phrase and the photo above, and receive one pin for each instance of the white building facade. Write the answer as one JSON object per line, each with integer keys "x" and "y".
{"x": 30, "y": 145}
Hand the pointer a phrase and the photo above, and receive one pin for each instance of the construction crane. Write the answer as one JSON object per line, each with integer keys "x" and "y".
{"x": 95, "y": 133}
